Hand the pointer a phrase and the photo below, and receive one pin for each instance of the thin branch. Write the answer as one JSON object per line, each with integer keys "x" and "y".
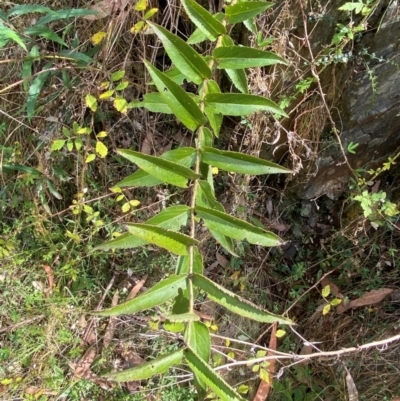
{"x": 322, "y": 355}
{"x": 20, "y": 324}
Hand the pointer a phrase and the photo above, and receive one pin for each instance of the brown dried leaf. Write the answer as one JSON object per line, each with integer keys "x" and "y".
{"x": 109, "y": 334}
{"x": 270, "y": 207}
{"x": 136, "y": 288}
{"x": 264, "y": 387}
{"x": 351, "y": 388}
{"x": 334, "y": 288}
{"x": 182, "y": 139}
{"x": 147, "y": 144}
{"x": 222, "y": 260}
{"x": 50, "y": 278}
{"x": 306, "y": 350}
{"x": 32, "y": 390}
{"x": 375, "y": 187}
{"x": 82, "y": 368}
{"x": 105, "y": 8}
{"x": 281, "y": 227}
{"x": 371, "y": 298}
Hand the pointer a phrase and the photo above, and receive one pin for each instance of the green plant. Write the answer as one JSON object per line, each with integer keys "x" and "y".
{"x": 201, "y": 113}
{"x": 34, "y": 82}
{"x": 376, "y": 207}
{"x": 351, "y": 147}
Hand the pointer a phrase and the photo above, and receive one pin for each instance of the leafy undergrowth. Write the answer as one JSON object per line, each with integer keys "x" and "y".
{"x": 56, "y": 207}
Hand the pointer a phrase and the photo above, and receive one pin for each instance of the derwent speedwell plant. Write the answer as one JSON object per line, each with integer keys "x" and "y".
{"x": 191, "y": 168}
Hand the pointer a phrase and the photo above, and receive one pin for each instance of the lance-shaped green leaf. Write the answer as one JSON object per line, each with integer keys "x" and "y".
{"x": 206, "y": 374}
{"x": 237, "y": 57}
{"x": 239, "y": 104}
{"x": 7, "y": 34}
{"x": 65, "y": 13}
{"x": 175, "y": 75}
{"x": 236, "y": 228}
{"x": 164, "y": 170}
{"x": 205, "y": 197}
{"x": 242, "y": 11}
{"x": 251, "y": 25}
{"x": 183, "y": 263}
{"x": 171, "y": 240}
{"x": 148, "y": 369}
{"x": 157, "y": 295}
{"x": 215, "y": 119}
{"x": 35, "y": 89}
{"x": 198, "y": 36}
{"x": 226, "y": 242}
{"x": 185, "y": 58}
{"x": 171, "y": 218}
{"x": 240, "y": 162}
{"x": 197, "y": 338}
{"x": 183, "y": 156}
{"x": 153, "y": 102}
{"x": 238, "y": 77}
{"x": 182, "y": 317}
{"x": 44, "y": 32}
{"x": 20, "y": 167}
{"x": 203, "y": 20}
{"x": 181, "y": 104}
{"x": 236, "y": 304}
{"x": 28, "y": 9}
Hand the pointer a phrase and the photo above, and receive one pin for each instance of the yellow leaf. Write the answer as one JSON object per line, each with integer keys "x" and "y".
{"x": 122, "y": 85}
{"x": 141, "y": 5}
{"x": 326, "y": 309}
{"x": 84, "y": 131}
{"x": 101, "y": 149}
{"x": 260, "y": 353}
{"x": 102, "y": 134}
{"x": 117, "y": 75}
{"x": 106, "y": 95}
{"x": 91, "y": 102}
{"x": 116, "y": 190}
{"x": 154, "y": 325}
{"x": 150, "y": 13}
{"x": 280, "y": 333}
{"x": 73, "y": 236}
{"x": 98, "y": 37}
{"x": 336, "y": 301}
{"x": 231, "y": 355}
{"x": 255, "y": 368}
{"x": 121, "y": 104}
{"x": 104, "y": 85}
{"x": 137, "y": 27}
{"x": 214, "y": 170}
{"x": 126, "y": 207}
{"x": 134, "y": 203}
{"x": 214, "y": 327}
{"x": 264, "y": 375}
{"x": 326, "y": 291}
{"x": 235, "y": 275}
{"x": 6, "y": 382}
{"x": 70, "y": 145}
{"x": 243, "y": 389}
{"x": 90, "y": 158}
{"x": 227, "y": 342}
{"x": 120, "y": 197}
